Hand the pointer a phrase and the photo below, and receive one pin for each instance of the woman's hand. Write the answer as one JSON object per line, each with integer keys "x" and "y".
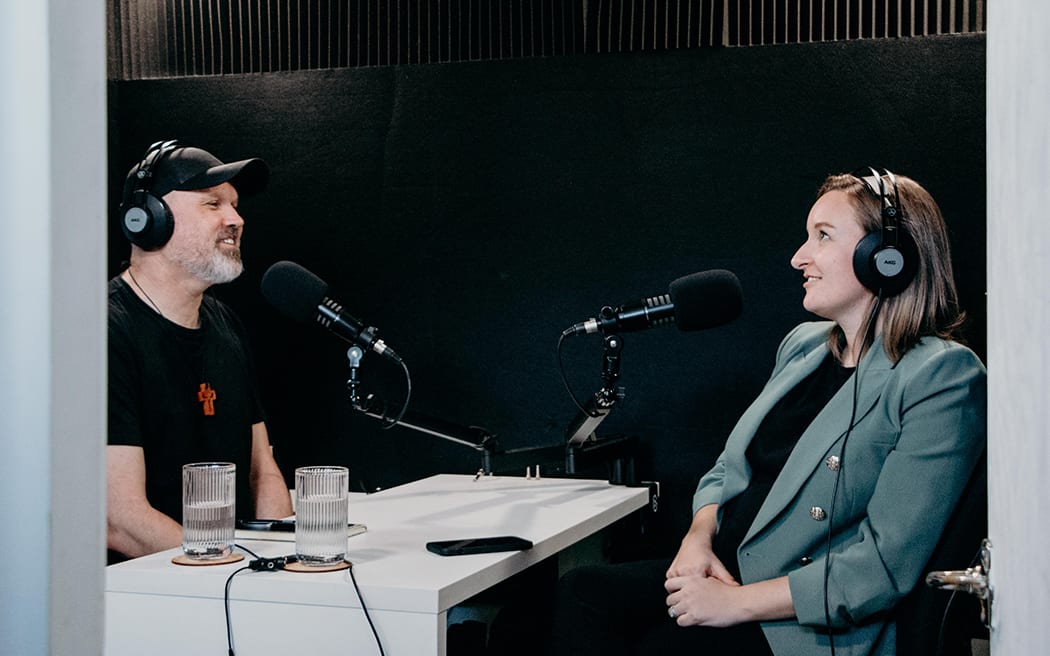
{"x": 695, "y": 556}
{"x": 704, "y": 600}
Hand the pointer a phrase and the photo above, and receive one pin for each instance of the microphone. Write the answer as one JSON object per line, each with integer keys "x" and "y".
{"x": 302, "y": 296}
{"x": 706, "y": 299}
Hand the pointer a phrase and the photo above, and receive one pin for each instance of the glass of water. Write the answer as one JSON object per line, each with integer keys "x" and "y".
{"x": 321, "y": 514}
{"x": 208, "y": 508}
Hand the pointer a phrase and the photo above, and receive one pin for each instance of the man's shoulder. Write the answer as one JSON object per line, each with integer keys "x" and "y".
{"x": 215, "y": 307}
{"x": 117, "y": 290}
{"x": 122, "y": 302}
{"x": 220, "y": 316}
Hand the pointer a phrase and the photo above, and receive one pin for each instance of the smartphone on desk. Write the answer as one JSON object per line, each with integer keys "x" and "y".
{"x": 478, "y": 545}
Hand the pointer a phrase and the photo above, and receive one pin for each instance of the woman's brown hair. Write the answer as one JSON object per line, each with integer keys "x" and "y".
{"x": 929, "y": 305}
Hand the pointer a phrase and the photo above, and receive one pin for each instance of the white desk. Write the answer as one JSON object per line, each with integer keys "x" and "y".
{"x": 155, "y": 607}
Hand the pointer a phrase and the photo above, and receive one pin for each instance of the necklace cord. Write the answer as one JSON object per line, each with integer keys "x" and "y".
{"x": 151, "y": 302}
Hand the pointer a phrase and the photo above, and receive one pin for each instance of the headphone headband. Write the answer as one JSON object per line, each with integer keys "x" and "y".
{"x": 885, "y": 261}
{"x": 146, "y": 219}
{"x": 148, "y": 167}
{"x": 891, "y": 212}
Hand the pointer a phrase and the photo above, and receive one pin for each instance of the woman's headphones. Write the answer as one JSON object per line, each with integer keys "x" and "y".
{"x": 146, "y": 219}
{"x": 886, "y": 260}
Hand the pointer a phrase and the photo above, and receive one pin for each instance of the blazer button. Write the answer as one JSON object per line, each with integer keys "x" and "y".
{"x": 817, "y": 513}
{"x": 805, "y": 560}
{"x": 833, "y": 463}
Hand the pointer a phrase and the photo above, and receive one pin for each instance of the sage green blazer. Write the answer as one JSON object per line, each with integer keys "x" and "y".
{"x": 919, "y": 430}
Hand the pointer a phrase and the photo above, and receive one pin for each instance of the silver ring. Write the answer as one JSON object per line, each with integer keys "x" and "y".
{"x": 670, "y": 611}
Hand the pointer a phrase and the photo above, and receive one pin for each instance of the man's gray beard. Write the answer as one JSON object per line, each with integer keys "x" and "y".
{"x": 213, "y": 268}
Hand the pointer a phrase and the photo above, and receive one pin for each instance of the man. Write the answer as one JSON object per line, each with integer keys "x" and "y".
{"x": 181, "y": 380}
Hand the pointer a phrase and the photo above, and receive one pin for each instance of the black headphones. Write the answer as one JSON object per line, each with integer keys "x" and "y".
{"x": 146, "y": 219}
{"x": 887, "y": 260}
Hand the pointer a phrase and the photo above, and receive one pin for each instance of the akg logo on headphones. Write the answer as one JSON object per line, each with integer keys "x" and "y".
{"x": 135, "y": 219}
{"x": 889, "y": 262}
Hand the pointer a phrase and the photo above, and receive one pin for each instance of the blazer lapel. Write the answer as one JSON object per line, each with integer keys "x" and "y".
{"x": 828, "y": 427}
{"x": 738, "y": 472}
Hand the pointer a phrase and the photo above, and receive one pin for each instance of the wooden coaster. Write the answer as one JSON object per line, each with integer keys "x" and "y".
{"x": 334, "y": 567}
{"x": 183, "y": 559}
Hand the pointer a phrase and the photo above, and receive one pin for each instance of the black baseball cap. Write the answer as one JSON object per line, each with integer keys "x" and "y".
{"x": 187, "y": 168}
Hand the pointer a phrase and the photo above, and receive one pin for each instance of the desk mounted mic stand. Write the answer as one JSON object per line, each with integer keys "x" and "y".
{"x": 584, "y": 448}
{"x": 475, "y": 437}
{"x": 582, "y": 428}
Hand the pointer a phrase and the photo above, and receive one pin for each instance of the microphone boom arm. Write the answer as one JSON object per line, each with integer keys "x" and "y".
{"x": 599, "y": 406}
{"x": 582, "y": 449}
{"x": 475, "y": 437}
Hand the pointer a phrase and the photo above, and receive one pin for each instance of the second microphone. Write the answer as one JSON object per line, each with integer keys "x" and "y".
{"x": 706, "y": 299}
{"x": 301, "y": 295}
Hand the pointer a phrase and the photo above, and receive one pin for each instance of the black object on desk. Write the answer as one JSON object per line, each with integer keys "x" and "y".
{"x": 478, "y": 545}
{"x": 284, "y": 525}
{"x": 287, "y": 526}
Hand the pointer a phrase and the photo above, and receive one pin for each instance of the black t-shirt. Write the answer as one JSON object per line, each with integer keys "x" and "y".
{"x": 769, "y": 449}
{"x": 183, "y": 395}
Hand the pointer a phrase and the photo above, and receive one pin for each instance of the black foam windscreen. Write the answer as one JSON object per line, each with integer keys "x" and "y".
{"x": 706, "y": 299}
{"x": 293, "y": 290}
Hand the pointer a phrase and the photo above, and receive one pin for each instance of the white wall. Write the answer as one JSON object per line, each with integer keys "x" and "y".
{"x": 1019, "y": 323}
{"x": 52, "y": 340}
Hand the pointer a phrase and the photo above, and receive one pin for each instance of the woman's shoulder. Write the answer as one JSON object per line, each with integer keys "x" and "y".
{"x": 810, "y": 331}
{"x": 803, "y": 341}
{"x": 806, "y": 336}
{"x": 938, "y": 352}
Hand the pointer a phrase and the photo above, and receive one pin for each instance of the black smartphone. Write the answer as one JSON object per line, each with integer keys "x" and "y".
{"x": 478, "y": 545}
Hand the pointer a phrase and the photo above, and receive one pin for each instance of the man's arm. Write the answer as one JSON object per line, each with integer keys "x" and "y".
{"x": 271, "y": 492}
{"x": 133, "y": 526}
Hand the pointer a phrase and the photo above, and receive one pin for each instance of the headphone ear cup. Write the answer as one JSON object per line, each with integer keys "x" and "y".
{"x": 147, "y": 221}
{"x": 885, "y": 269}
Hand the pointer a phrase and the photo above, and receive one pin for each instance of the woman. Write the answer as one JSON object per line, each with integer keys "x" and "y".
{"x": 836, "y": 483}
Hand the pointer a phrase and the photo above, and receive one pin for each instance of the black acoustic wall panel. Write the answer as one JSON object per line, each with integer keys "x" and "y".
{"x": 472, "y": 211}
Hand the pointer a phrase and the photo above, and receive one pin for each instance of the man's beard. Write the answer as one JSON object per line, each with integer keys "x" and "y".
{"x": 213, "y": 266}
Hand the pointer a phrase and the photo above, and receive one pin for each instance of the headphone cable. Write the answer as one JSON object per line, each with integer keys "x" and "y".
{"x": 842, "y": 461}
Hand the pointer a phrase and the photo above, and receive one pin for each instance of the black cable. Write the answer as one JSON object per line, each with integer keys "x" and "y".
{"x": 276, "y": 564}
{"x": 944, "y": 621}
{"x": 246, "y": 550}
{"x": 408, "y": 395}
{"x": 948, "y": 606}
{"x": 842, "y": 463}
{"x": 226, "y": 594}
{"x": 364, "y": 609}
{"x": 565, "y": 381}
{"x": 226, "y": 603}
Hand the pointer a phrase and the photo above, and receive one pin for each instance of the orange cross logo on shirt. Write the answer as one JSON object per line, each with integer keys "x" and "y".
{"x": 207, "y": 396}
